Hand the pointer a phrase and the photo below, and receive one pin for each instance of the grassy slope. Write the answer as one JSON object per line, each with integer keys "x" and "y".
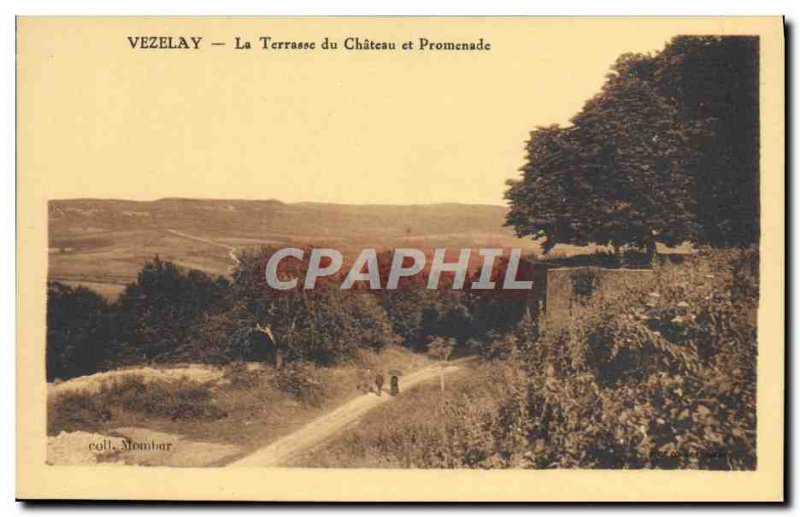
{"x": 257, "y": 412}
{"x": 410, "y": 432}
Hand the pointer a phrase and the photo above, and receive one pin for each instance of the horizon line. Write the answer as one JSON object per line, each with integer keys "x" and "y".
{"x": 275, "y": 200}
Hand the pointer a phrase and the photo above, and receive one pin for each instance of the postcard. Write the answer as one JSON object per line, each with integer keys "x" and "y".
{"x": 400, "y": 259}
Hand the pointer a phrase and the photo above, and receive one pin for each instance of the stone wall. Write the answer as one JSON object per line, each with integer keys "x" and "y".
{"x": 560, "y": 291}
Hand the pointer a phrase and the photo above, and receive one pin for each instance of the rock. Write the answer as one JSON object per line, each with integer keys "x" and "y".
{"x": 78, "y": 448}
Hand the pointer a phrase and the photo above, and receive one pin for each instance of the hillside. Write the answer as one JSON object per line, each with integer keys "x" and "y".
{"x": 103, "y": 242}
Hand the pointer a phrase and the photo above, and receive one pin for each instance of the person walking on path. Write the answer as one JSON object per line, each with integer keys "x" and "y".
{"x": 379, "y": 383}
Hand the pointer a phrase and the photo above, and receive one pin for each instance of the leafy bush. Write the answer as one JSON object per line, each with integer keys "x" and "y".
{"x": 78, "y": 411}
{"x": 301, "y": 381}
{"x": 176, "y": 400}
{"x": 325, "y": 325}
{"x": 661, "y": 376}
{"x": 78, "y": 331}
{"x": 154, "y": 315}
{"x": 239, "y": 375}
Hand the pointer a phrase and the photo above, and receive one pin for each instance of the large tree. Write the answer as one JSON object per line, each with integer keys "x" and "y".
{"x": 78, "y": 331}
{"x": 714, "y": 80}
{"x": 637, "y": 155}
{"x": 155, "y": 315}
{"x": 653, "y": 157}
{"x": 550, "y": 201}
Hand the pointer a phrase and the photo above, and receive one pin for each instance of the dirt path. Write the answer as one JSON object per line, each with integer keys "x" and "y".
{"x": 326, "y": 426}
{"x": 231, "y": 249}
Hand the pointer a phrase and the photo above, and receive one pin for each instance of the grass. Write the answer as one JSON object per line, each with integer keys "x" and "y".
{"x": 181, "y": 399}
{"x": 424, "y": 427}
{"x": 253, "y": 406}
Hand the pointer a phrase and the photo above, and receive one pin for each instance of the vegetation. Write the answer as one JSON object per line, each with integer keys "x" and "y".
{"x": 172, "y": 315}
{"x": 656, "y": 374}
{"x": 250, "y": 405}
{"x": 78, "y": 331}
{"x": 666, "y": 152}
{"x": 660, "y": 375}
{"x": 182, "y": 400}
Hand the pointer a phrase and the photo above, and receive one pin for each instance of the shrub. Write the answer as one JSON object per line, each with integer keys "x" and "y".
{"x": 301, "y": 381}
{"x": 154, "y": 315}
{"x": 78, "y": 411}
{"x": 78, "y": 331}
{"x": 239, "y": 375}
{"x": 176, "y": 400}
{"x": 657, "y": 376}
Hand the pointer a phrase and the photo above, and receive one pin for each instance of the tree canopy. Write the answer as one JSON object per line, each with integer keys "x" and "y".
{"x": 666, "y": 152}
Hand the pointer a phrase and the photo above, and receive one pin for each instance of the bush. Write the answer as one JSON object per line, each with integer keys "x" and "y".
{"x": 662, "y": 376}
{"x": 325, "y": 325}
{"x": 79, "y": 411}
{"x": 176, "y": 400}
{"x": 302, "y": 382}
{"x": 78, "y": 331}
{"x": 154, "y": 315}
{"x": 239, "y": 375}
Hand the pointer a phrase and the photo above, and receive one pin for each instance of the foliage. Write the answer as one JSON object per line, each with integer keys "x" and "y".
{"x": 182, "y": 400}
{"x": 222, "y": 337}
{"x": 155, "y": 314}
{"x": 659, "y": 375}
{"x": 715, "y": 79}
{"x": 175, "y": 315}
{"x": 441, "y": 348}
{"x": 662, "y": 376}
{"x": 300, "y": 381}
{"x": 325, "y": 325}
{"x": 462, "y": 427}
{"x": 654, "y": 157}
{"x": 78, "y": 331}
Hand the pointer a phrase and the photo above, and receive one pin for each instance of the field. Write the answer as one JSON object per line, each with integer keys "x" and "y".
{"x": 103, "y": 243}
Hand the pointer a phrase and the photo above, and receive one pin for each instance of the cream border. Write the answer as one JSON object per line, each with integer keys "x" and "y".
{"x": 36, "y": 480}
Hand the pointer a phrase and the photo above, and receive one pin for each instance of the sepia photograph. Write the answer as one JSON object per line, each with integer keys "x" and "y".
{"x": 415, "y": 246}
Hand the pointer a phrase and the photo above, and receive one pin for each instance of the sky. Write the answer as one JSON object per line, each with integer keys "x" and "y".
{"x": 99, "y": 119}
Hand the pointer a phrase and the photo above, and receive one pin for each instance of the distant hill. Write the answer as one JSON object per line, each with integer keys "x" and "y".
{"x": 104, "y": 242}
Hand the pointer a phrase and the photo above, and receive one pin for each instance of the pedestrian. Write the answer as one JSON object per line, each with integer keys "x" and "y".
{"x": 379, "y": 383}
